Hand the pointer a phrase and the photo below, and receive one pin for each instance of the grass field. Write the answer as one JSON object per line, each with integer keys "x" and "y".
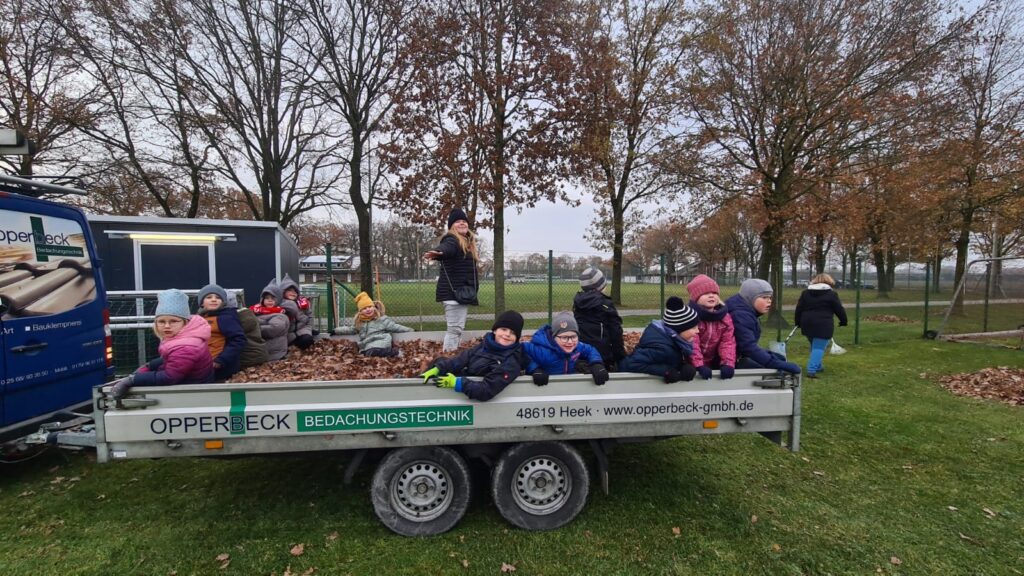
{"x": 895, "y": 476}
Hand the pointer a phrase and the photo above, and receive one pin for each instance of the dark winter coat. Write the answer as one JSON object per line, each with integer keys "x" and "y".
{"x": 544, "y": 353}
{"x": 498, "y": 365}
{"x": 227, "y": 340}
{"x": 600, "y": 325}
{"x": 814, "y": 311}
{"x": 658, "y": 351}
{"x": 457, "y": 269}
{"x": 747, "y": 329}
{"x": 255, "y": 351}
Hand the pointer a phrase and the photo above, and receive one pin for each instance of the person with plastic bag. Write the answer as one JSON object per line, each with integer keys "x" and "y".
{"x": 814, "y": 312}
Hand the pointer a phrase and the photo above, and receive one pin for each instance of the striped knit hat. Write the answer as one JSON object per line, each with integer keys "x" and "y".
{"x": 592, "y": 279}
{"x": 679, "y": 316}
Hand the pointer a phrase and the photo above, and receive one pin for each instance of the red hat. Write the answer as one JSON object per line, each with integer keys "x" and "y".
{"x": 700, "y": 286}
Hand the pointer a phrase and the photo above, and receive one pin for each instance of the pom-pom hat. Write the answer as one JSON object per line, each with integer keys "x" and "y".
{"x": 678, "y": 315}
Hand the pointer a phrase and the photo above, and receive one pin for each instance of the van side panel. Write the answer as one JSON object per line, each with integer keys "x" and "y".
{"x": 53, "y": 299}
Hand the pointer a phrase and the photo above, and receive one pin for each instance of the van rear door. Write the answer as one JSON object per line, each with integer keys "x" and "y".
{"x": 53, "y": 303}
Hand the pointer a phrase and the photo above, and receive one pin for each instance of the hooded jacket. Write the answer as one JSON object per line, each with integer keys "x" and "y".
{"x": 184, "y": 358}
{"x": 600, "y": 324}
{"x": 255, "y": 351}
{"x": 457, "y": 269}
{"x": 748, "y": 333}
{"x": 814, "y": 311}
{"x": 545, "y": 354}
{"x": 715, "y": 344}
{"x": 298, "y": 310}
{"x": 274, "y": 323}
{"x": 498, "y": 365}
{"x": 658, "y": 351}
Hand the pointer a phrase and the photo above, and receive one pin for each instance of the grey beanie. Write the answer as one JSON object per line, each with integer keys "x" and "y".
{"x": 564, "y": 322}
{"x": 213, "y": 289}
{"x": 592, "y": 279}
{"x": 172, "y": 302}
{"x": 754, "y": 287}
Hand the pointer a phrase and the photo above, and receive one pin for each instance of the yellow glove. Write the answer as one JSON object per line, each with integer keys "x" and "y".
{"x": 430, "y": 374}
{"x": 449, "y": 380}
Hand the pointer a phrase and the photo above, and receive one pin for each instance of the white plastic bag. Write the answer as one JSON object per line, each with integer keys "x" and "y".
{"x": 836, "y": 348}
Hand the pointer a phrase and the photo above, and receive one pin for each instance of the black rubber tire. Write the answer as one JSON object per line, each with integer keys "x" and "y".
{"x": 540, "y": 485}
{"x": 441, "y": 475}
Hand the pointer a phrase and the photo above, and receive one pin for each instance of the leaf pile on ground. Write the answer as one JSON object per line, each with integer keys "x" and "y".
{"x": 339, "y": 359}
{"x": 1001, "y": 383}
{"x": 889, "y": 319}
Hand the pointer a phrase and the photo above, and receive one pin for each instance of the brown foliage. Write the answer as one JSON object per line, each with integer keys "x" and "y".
{"x": 1001, "y": 383}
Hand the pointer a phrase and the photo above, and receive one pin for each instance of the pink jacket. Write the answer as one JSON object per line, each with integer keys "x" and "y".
{"x": 716, "y": 342}
{"x": 184, "y": 358}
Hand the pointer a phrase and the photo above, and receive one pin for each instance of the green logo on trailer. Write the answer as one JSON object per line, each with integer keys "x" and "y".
{"x": 384, "y": 418}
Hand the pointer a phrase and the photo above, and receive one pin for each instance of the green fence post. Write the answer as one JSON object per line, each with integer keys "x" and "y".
{"x": 661, "y": 259}
{"x": 927, "y": 291}
{"x": 551, "y": 272}
{"x": 988, "y": 289}
{"x": 330, "y": 292}
{"x": 856, "y": 325}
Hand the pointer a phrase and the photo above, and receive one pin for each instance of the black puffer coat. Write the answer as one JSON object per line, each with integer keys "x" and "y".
{"x": 498, "y": 366}
{"x": 457, "y": 269}
{"x": 814, "y": 311}
{"x": 600, "y": 325}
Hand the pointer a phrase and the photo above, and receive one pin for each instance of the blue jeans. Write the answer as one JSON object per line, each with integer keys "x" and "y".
{"x": 818, "y": 346}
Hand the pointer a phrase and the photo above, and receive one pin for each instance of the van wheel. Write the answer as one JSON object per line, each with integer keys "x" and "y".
{"x": 421, "y": 491}
{"x": 540, "y": 485}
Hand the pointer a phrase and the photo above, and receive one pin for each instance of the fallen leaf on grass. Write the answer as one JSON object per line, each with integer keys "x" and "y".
{"x": 332, "y": 536}
{"x": 223, "y": 557}
{"x": 505, "y": 568}
{"x": 952, "y": 508}
{"x": 895, "y": 561}
{"x": 676, "y": 531}
{"x": 101, "y": 496}
{"x": 57, "y": 480}
{"x": 753, "y": 519}
{"x": 989, "y": 513}
{"x": 819, "y": 473}
{"x": 776, "y": 548}
{"x": 465, "y": 563}
{"x": 967, "y": 538}
{"x": 26, "y": 493}
{"x": 298, "y": 549}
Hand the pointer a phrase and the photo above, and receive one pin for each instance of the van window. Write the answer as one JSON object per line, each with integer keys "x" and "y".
{"x": 44, "y": 265}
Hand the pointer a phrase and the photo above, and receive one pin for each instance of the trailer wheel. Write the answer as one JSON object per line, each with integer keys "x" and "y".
{"x": 421, "y": 491}
{"x": 540, "y": 485}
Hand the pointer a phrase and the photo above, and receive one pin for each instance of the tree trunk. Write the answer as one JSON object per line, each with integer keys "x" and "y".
{"x": 819, "y": 253}
{"x": 618, "y": 235}
{"x": 363, "y": 216}
{"x": 963, "y": 241}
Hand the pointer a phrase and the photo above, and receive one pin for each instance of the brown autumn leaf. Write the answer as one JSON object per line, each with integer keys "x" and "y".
{"x": 308, "y": 572}
{"x": 776, "y": 548}
{"x": 298, "y": 550}
{"x": 895, "y": 561}
{"x": 1000, "y": 383}
{"x": 989, "y": 513}
{"x": 753, "y": 519}
{"x": 505, "y": 568}
{"x": 332, "y": 536}
{"x": 465, "y": 563}
{"x": 222, "y": 557}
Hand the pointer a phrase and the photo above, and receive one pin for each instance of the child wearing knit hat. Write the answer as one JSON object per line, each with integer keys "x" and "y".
{"x": 556, "y": 349}
{"x": 184, "y": 355}
{"x": 497, "y": 361}
{"x": 599, "y": 322}
{"x": 715, "y": 346}
{"x": 227, "y": 338}
{"x": 666, "y": 346}
{"x": 374, "y": 328}
{"x": 753, "y": 301}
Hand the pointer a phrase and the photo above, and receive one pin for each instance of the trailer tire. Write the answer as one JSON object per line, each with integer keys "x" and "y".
{"x": 421, "y": 491}
{"x": 540, "y": 485}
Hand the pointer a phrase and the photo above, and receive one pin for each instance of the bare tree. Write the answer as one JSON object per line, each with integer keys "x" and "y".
{"x": 362, "y": 46}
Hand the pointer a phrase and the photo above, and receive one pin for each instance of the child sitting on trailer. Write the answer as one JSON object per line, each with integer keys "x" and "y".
{"x": 497, "y": 361}
{"x": 184, "y": 353}
{"x": 300, "y": 313}
{"x": 374, "y": 328}
{"x": 666, "y": 345}
{"x": 556, "y": 349}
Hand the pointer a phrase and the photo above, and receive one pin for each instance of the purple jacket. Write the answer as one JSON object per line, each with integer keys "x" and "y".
{"x": 184, "y": 358}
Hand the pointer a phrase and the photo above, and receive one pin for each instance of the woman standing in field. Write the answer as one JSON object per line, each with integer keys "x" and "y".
{"x": 457, "y": 281}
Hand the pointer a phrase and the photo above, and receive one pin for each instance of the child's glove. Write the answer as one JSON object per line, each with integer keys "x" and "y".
{"x": 582, "y": 366}
{"x": 672, "y": 376}
{"x": 599, "y": 373}
{"x": 687, "y": 372}
{"x": 430, "y": 374}
{"x": 121, "y": 387}
{"x": 540, "y": 377}
{"x": 450, "y": 380}
{"x": 727, "y": 371}
{"x": 705, "y": 372}
{"x": 789, "y": 367}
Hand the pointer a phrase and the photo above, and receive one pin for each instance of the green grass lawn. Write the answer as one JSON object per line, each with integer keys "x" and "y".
{"x": 895, "y": 476}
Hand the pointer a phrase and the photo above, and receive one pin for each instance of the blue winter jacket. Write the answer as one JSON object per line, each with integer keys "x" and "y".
{"x": 545, "y": 354}
{"x": 748, "y": 333}
{"x": 657, "y": 352}
{"x": 498, "y": 365}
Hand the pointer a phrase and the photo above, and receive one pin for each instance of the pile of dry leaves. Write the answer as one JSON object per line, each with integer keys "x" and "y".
{"x": 1003, "y": 383}
{"x": 889, "y": 319}
{"x": 337, "y": 359}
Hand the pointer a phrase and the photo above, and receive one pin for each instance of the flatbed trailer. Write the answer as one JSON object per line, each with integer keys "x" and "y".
{"x": 530, "y": 435}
